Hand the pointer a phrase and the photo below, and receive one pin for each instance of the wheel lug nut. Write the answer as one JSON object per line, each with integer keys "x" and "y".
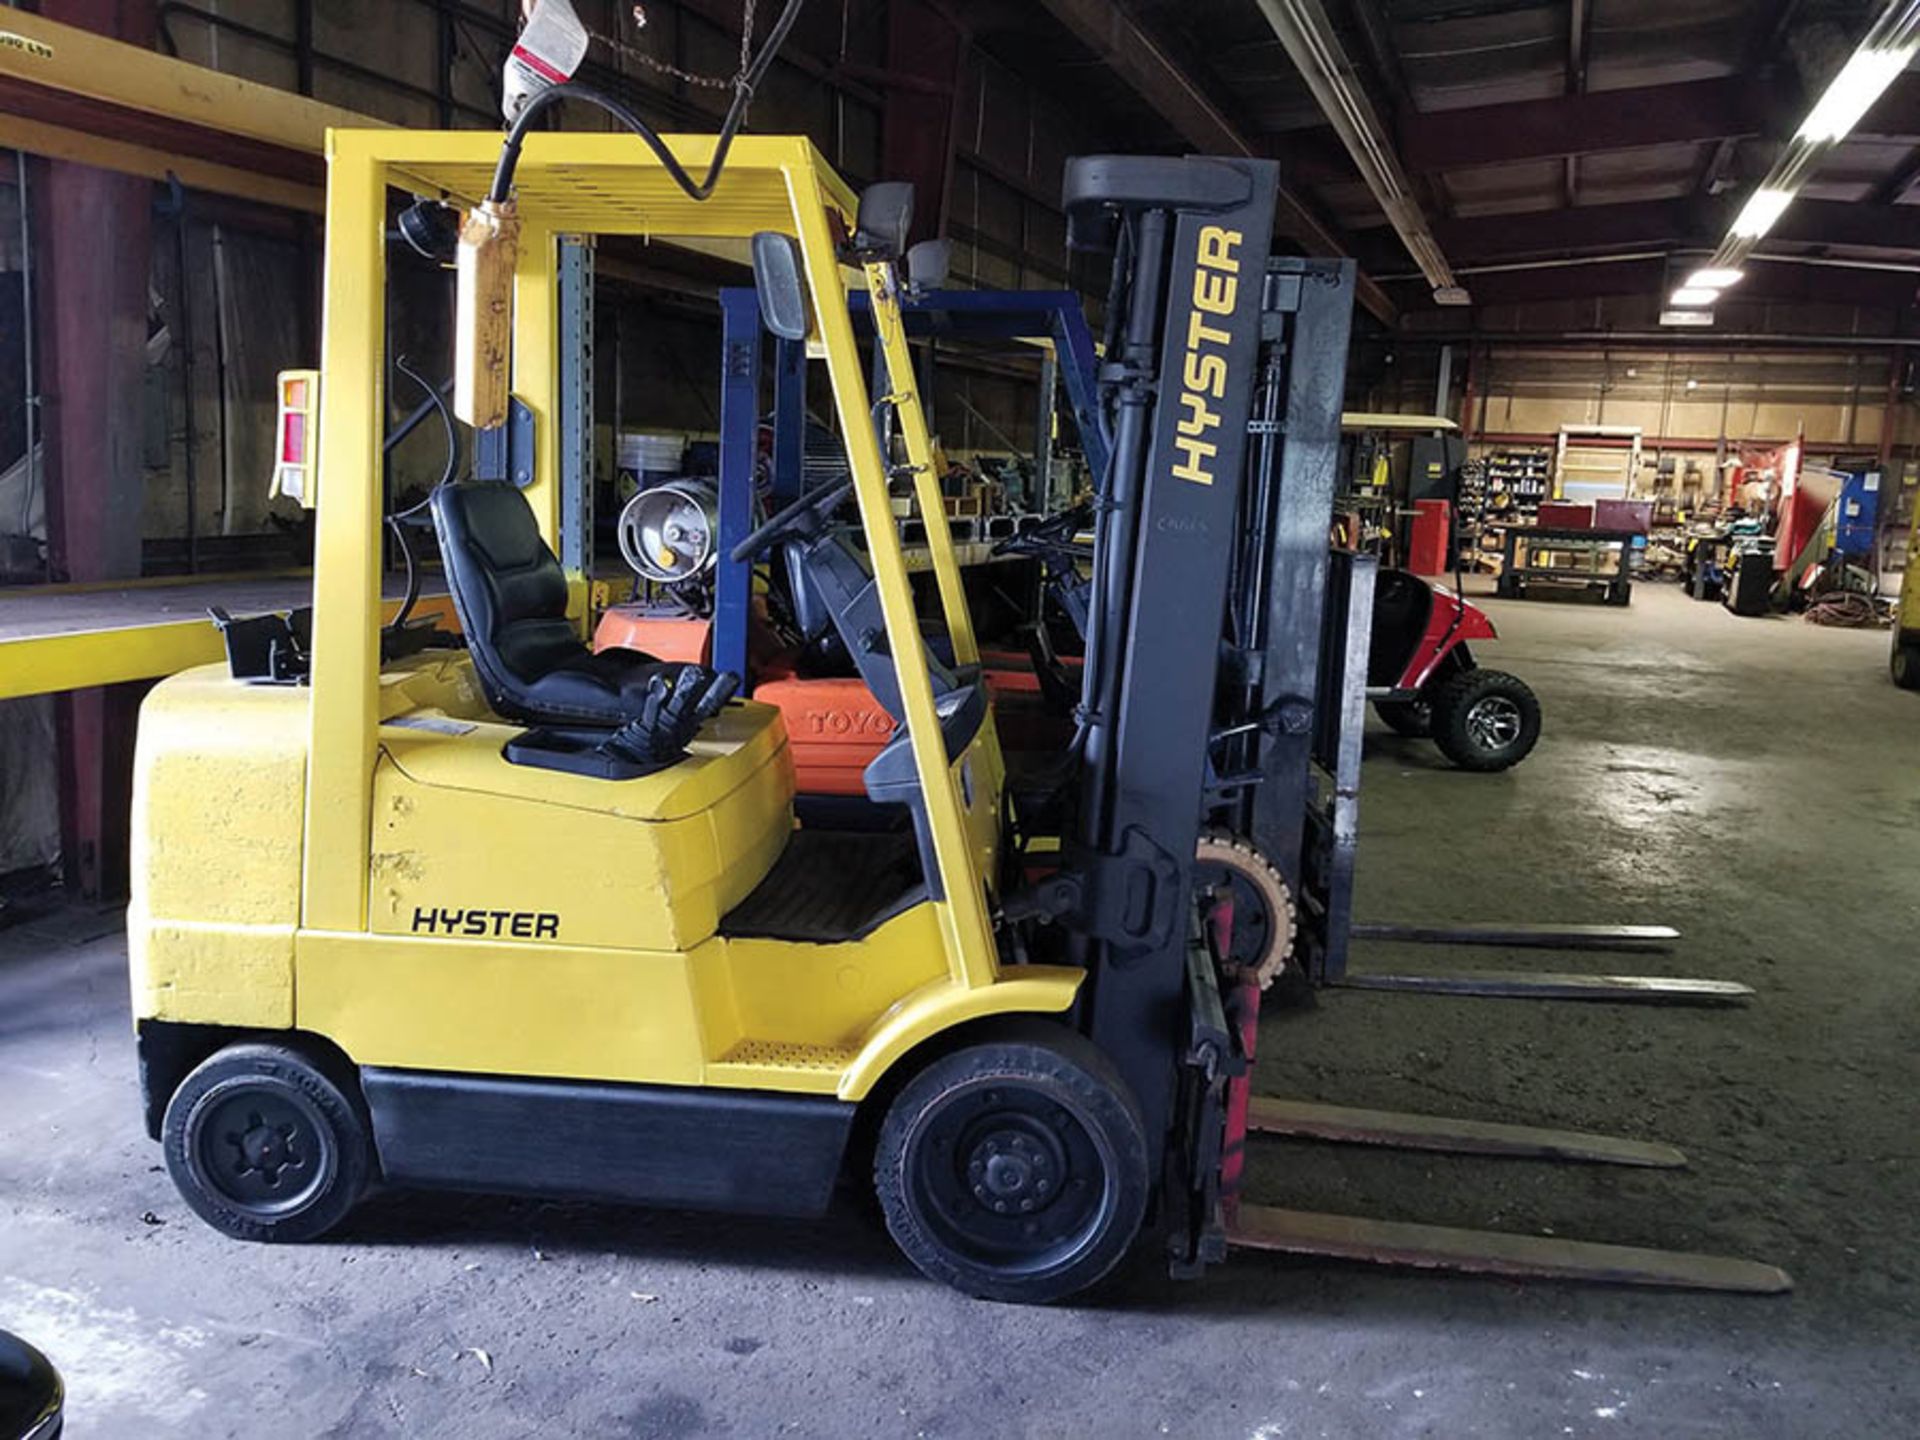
{"x": 1000, "y": 1206}
{"x": 1026, "y": 1204}
{"x": 1043, "y": 1187}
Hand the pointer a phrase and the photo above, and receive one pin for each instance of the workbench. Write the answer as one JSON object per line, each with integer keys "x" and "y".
{"x": 1557, "y": 556}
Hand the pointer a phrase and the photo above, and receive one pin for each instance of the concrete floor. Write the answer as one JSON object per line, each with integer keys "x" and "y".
{"x": 1749, "y": 781}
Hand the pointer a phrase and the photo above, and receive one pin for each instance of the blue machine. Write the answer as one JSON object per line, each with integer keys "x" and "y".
{"x": 1857, "y": 517}
{"x": 946, "y": 314}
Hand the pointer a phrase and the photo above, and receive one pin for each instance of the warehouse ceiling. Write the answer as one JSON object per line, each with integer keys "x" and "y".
{"x": 1560, "y": 150}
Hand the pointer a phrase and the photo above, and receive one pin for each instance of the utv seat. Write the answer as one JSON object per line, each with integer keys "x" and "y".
{"x": 511, "y": 596}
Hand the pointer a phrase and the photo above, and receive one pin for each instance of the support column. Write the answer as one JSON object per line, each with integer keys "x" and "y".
{"x": 93, "y": 254}
{"x": 925, "y": 53}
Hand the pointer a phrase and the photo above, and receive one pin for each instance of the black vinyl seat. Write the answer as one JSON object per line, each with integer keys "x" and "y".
{"x": 511, "y": 595}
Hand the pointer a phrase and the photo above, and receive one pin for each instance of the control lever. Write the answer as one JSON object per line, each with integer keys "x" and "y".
{"x": 672, "y": 715}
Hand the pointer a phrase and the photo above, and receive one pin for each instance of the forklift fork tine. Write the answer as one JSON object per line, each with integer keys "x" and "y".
{"x": 1341, "y": 1124}
{"x": 1548, "y": 985}
{"x": 1493, "y": 1252}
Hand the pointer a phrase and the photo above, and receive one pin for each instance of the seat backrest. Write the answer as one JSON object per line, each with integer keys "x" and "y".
{"x": 508, "y": 588}
{"x": 833, "y": 586}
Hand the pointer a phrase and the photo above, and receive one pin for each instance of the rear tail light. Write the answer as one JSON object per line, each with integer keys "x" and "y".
{"x": 297, "y": 467}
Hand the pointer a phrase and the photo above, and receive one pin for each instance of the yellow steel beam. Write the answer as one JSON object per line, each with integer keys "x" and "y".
{"x": 346, "y": 642}
{"x": 79, "y": 660}
{"x": 64, "y": 57}
{"x": 57, "y": 142}
{"x": 904, "y": 396}
{"x": 966, "y": 928}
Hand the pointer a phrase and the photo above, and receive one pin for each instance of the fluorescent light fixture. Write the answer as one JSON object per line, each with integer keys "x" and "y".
{"x": 1713, "y": 279}
{"x": 1861, "y": 81}
{"x": 1686, "y": 317}
{"x": 1692, "y": 295}
{"x": 1452, "y": 295}
{"x": 1762, "y": 212}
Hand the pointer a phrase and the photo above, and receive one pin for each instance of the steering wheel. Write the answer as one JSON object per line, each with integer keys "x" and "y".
{"x": 790, "y": 518}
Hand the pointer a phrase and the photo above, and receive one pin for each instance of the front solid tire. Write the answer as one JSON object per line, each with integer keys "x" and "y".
{"x": 1015, "y": 1169}
{"x": 1904, "y": 662}
{"x": 266, "y": 1145}
{"x": 1486, "y": 720}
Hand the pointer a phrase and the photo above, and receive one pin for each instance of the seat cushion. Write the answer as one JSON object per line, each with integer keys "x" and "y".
{"x": 609, "y": 687}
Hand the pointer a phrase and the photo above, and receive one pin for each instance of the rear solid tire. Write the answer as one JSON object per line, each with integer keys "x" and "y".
{"x": 1015, "y": 1169}
{"x": 1412, "y": 718}
{"x": 1486, "y": 720}
{"x": 1904, "y": 663}
{"x": 264, "y": 1144}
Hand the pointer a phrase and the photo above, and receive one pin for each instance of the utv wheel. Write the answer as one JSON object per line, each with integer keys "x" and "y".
{"x": 1904, "y": 663}
{"x": 1015, "y": 1169}
{"x": 1412, "y": 718}
{"x": 1486, "y": 720}
{"x": 266, "y": 1145}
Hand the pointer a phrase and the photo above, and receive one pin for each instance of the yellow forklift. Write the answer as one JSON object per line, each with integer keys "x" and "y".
{"x": 1903, "y": 659}
{"x": 495, "y": 912}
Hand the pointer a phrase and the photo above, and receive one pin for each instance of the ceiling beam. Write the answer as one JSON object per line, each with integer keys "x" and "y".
{"x": 1631, "y": 225}
{"x": 1648, "y": 224}
{"x": 1552, "y": 129}
{"x": 1579, "y": 36}
{"x": 1184, "y": 103}
{"x": 1896, "y": 185}
{"x": 1766, "y": 282}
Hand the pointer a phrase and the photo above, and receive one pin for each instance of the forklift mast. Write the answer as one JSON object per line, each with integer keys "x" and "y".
{"x": 1199, "y": 680}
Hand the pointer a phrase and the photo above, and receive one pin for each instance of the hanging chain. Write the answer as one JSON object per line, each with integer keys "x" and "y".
{"x": 646, "y": 61}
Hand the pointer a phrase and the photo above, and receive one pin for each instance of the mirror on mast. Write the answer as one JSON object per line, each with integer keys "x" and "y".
{"x": 780, "y": 286}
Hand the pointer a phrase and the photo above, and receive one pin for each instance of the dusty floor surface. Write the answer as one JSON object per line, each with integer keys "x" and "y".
{"x": 1753, "y": 782}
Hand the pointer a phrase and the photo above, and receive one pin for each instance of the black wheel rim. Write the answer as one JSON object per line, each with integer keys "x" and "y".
{"x": 1008, "y": 1178}
{"x": 263, "y": 1150}
{"x": 1493, "y": 722}
{"x": 1253, "y": 922}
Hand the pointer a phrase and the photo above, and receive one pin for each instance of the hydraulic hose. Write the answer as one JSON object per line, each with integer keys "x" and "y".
{"x": 743, "y": 88}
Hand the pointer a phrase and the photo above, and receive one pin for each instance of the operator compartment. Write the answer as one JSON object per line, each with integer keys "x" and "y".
{"x": 468, "y": 843}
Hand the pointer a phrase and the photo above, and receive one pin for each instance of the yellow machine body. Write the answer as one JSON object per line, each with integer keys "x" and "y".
{"x": 1907, "y": 617}
{"x": 355, "y": 859}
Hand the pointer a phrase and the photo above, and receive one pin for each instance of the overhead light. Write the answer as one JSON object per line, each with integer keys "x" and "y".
{"x": 1861, "y": 81}
{"x": 1452, "y": 295}
{"x": 1686, "y": 317}
{"x": 1694, "y": 295}
{"x": 1692, "y": 384}
{"x": 1714, "y": 278}
{"x": 1762, "y": 212}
